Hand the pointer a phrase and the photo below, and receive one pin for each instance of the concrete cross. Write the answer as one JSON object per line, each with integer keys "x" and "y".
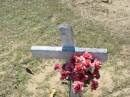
{"x": 67, "y": 49}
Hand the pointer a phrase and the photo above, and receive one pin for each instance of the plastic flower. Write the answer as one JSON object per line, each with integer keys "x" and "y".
{"x": 75, "y": 57}
{"x": 77, "y": 86}
{"x": 87, "y": 55}
{"x": 69, "y": 67}
{"x": 94, "y": 84}
{"x": 81, "y": 69}
{"x": 80, "y": 77}
{"x": 57, "y": 66}
{"x": 96, "y": 74}
{"x": 64, "y": 75}
{"x": 97, "y": 64}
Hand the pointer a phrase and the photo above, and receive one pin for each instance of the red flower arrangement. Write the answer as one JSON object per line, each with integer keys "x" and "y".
{"x": 81, "y": 69}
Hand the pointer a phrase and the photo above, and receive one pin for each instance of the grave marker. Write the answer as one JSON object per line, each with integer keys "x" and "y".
{"x": 67, "y": 49}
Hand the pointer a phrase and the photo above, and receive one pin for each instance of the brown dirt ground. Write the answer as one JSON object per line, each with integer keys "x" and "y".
{"x": 115, "y": 16}
{"x": 47, "y": 77}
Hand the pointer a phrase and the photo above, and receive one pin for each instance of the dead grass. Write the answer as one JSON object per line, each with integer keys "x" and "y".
{"x": 96, "y": 24}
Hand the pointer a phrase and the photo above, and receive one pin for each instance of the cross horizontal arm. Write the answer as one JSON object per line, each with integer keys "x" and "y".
{"x": 59, "y": 53}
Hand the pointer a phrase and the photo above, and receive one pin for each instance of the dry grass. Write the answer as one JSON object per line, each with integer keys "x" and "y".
{"x": 96, "y": 24}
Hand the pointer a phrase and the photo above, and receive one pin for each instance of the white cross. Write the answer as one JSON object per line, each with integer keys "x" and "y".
{"x": 67, "y": 49}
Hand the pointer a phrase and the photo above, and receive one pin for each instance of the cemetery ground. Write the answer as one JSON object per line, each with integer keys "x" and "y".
{"x": 24, "y": 23}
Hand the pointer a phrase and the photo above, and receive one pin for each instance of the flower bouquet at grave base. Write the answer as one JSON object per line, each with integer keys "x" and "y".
{"x": 81, "y": 70}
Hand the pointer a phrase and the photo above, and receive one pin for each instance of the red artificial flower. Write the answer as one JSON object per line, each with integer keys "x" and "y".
{"x": 85, "y": 77}
{"x": 64, "y": 75}
{"x": 76, "y": 77}
{"x": 74, "y": 58}
{"x": 77, "y": 86}
{"x": 97, "y": 64}
{"x": 80, "y": 77}
{"x": 78, "y": 59}
{"x": 94, "y": 84}
{"x": 57, "y": 67}
{"x": 79, "y": 68}
{"x": 90, "y": 76}
{"x": 87, "y": 55}
{"x": 69, "y": 67}
{"x": 87, "y": 63}
{"x": 96, "y": 74}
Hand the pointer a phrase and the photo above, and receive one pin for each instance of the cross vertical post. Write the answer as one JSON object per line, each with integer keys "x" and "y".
{"x": 67, "y": 44}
